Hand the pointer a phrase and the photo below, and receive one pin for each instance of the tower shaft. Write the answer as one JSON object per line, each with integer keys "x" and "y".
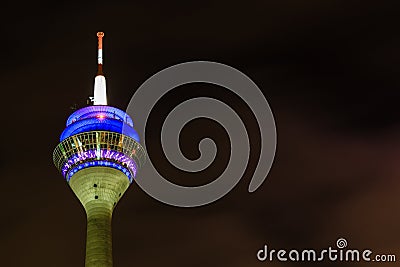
{"x": 99, "y": 238}
{"x": 99, "y": 189}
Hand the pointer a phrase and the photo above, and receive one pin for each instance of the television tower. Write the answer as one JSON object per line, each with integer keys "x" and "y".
{"x": 99, "y": 154}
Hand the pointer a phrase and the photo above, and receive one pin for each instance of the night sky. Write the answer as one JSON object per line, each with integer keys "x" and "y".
{"x": 330, "y": 71}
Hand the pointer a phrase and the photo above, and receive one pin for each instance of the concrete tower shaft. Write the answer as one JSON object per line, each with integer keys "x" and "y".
{"x": 99, "y": 190}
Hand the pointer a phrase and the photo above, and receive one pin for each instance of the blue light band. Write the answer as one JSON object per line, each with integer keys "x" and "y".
{"x": 101, "y": 163}
{"x": 114, "y": 159}
{"x": 99, "y": 118}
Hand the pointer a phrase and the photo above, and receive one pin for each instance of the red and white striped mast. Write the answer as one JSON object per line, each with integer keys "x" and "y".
{"x": 100, "y": 92}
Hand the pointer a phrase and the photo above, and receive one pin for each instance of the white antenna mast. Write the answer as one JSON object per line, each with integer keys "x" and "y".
{"x": 100, "y": 92}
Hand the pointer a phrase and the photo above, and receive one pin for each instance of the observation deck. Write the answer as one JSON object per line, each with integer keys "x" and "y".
{"x": 99, "y": 136}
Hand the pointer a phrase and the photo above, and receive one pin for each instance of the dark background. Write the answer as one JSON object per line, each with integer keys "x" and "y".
{"x": 329, "y": 69}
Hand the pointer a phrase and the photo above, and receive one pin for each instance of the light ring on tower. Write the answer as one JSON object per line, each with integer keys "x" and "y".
{"x": 122, "y": 151}
{"x": 99, "y": 118}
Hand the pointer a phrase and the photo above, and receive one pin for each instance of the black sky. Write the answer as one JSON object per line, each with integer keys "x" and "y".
{"x": 329, "y": 69}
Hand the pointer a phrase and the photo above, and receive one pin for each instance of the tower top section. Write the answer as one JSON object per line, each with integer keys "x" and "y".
{"x": 100, "y": 92}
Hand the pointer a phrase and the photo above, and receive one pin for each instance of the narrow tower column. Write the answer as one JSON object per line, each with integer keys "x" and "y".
{"x": 99, "y": 189}
{"x": 99, "y": 238}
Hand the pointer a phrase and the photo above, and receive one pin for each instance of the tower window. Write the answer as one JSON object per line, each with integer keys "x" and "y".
{"x": 96, "y": 197}
{"x": 95, "y": 185}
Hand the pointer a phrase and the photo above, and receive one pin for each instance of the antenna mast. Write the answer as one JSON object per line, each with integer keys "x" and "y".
{"x": 100, "y": 36}
{"x": 100, "y": 92}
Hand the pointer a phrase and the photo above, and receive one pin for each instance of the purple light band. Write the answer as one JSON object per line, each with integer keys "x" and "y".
{"x": 100, "y": 154}
{"x": 101, "y": 163}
